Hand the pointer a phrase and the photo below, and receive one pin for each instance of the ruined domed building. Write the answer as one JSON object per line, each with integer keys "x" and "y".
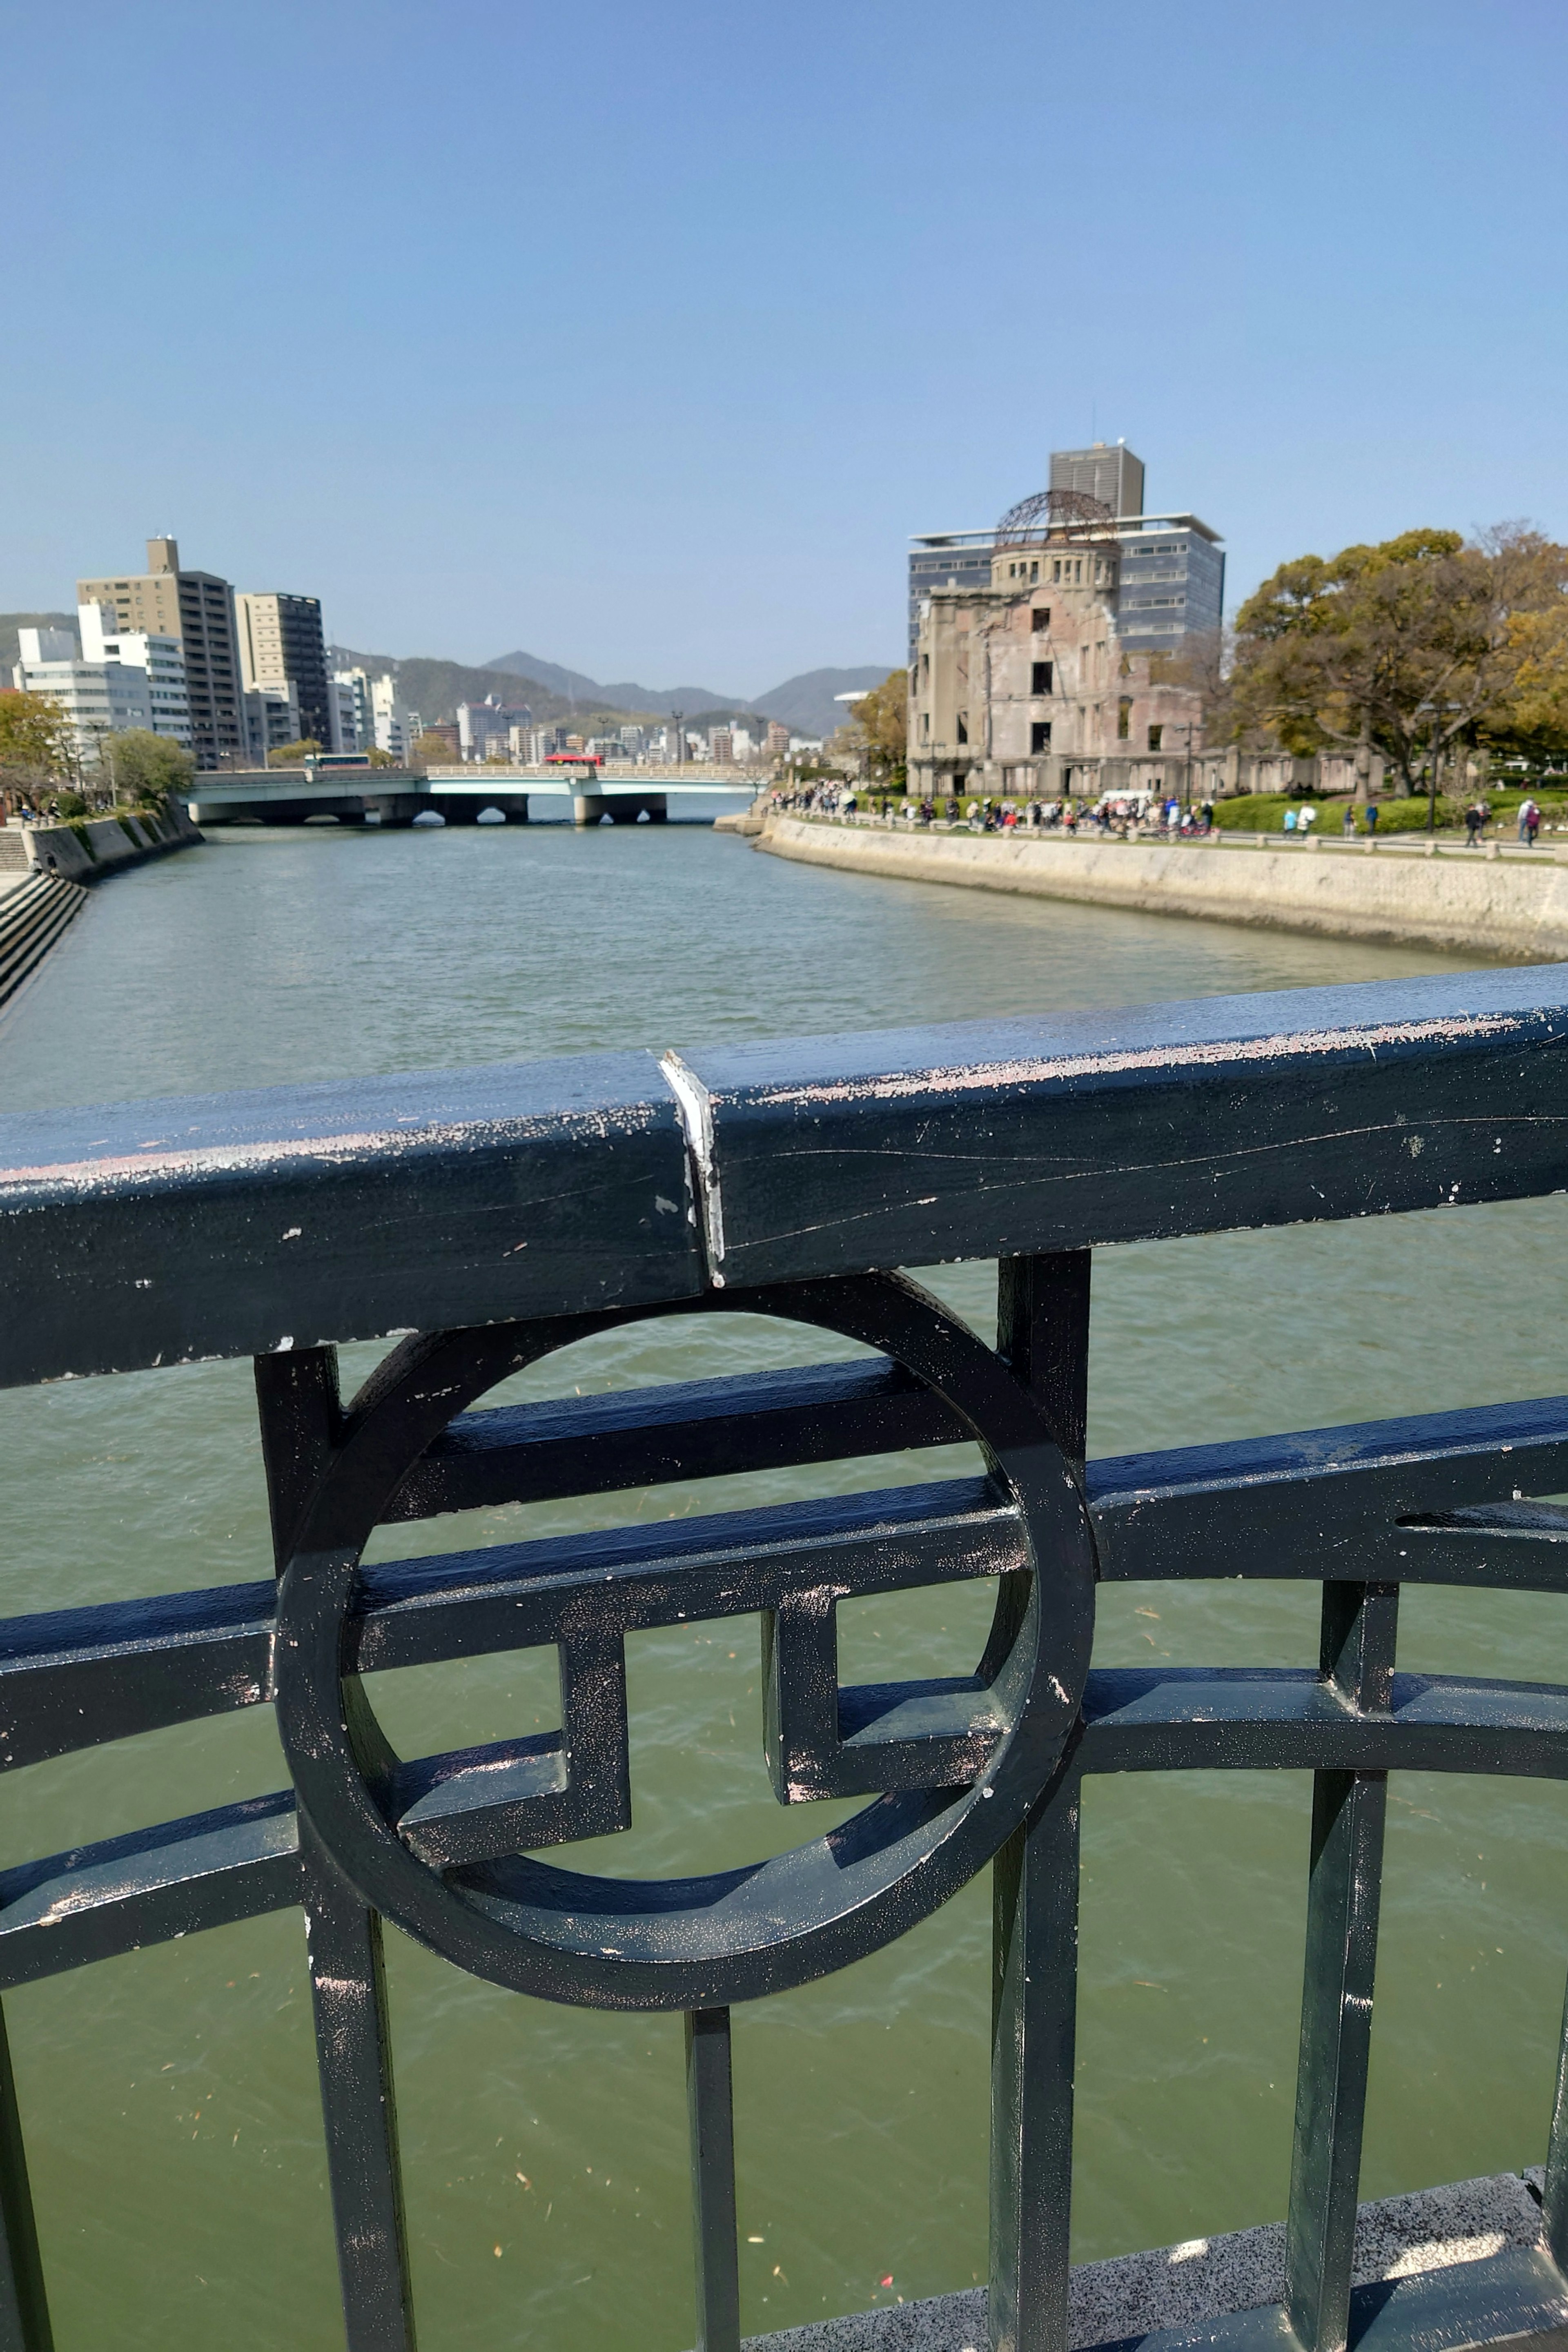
{"x": 1023, "y": 682}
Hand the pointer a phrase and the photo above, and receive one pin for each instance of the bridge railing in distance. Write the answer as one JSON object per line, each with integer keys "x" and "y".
{"x": 513, "y": 1210}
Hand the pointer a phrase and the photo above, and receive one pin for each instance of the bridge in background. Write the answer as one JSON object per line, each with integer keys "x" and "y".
{"x": 396, "y": 796}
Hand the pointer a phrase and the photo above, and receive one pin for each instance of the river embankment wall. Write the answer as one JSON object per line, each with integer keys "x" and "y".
{"x": 92, "y": 847}
{"x": 1513, "y": 907}
{"x": 35, "y": 909}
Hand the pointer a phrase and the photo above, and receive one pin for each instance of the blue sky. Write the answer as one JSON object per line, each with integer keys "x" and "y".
{"x": 642, "y": 337}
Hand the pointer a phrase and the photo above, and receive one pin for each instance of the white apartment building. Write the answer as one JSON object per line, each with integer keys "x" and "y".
{"x": 98, "y": 698}
{"x": 353, "y": 711}
{"x": 343, "y": 715}
{"x": 162, "y": 659}
{"x": 396, "y": 729}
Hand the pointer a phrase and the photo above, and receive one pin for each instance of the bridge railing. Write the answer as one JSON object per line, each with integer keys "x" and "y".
{"x": 492, "y": 1216}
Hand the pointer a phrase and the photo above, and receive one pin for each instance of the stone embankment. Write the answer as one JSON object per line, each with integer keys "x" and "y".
{"x": 95, "y": 846}
{"x": 1512, "y": 905}
{"x": 34, "y": 910}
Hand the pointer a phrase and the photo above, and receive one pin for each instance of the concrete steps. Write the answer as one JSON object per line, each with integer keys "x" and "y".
{"x": 12, "y": 850}
{"x": 32, "y": 915}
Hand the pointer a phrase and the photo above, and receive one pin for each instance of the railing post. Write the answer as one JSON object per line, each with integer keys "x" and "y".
{"x": 710, "y": 2108}
{"x": 1555, "y": 2199}
{"x": 297, "y": 1400}
{"x": 1359, "y": 1627}
{"x": 1043, "y": 1332}
{"x": 353, "y": 2057}
{"x": 24, "y": 2306}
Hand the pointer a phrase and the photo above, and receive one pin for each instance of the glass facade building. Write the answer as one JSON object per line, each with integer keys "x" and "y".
{"x": 1171, "y": 584}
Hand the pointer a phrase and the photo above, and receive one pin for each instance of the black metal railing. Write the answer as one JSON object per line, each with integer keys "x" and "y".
{"x": 499, "y": 1215}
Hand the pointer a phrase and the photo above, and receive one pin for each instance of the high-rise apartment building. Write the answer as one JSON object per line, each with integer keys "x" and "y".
{"x": 281, "y": 643}
{"x": 196, "y": 608}
{"x": 1107, "y": 471}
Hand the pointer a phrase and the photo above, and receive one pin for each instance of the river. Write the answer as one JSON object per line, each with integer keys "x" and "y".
{"x": 169, "y": 2097}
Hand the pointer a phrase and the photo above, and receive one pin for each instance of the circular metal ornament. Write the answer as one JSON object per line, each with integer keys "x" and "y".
{"x": 534, "y": 1927}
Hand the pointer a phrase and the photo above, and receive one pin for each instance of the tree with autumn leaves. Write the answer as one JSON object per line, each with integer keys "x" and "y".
{"x": 882, "y": 725}
{"x": 36, "y": 746}
{"x": 1411, "y": 647}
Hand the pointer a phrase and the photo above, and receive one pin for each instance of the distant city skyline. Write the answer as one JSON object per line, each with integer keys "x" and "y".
{"x": 677, "y": 411}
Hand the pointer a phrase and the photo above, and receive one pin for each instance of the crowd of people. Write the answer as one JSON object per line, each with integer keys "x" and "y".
{"x": 1123, "y": 814}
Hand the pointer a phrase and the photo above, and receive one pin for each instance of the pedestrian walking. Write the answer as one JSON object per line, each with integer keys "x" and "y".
{"x": 1475, "y": 819}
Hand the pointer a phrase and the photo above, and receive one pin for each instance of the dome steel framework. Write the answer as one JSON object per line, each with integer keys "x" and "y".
{"x": 1053, "y": 514}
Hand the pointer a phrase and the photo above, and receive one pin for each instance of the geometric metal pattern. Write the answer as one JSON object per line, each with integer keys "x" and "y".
{"x": 440, "y": 1845}
{"x": 1325, "y": 1112}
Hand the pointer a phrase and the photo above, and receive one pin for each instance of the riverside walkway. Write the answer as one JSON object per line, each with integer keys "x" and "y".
{"x": 1496, "y": 900}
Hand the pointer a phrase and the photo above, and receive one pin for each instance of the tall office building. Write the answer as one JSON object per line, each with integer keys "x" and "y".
{"x": 282, "y": 644}
{"x": 1109, "y": 472}
{"x": 196, "y": 608}
{"x": 1169, "y": 583}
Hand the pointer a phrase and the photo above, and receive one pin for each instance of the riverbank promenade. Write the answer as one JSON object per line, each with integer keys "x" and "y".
{"x": 1495, "y": 900}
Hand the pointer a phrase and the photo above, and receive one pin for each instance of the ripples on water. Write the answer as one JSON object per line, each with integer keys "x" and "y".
{"x": 170, "y": 2096}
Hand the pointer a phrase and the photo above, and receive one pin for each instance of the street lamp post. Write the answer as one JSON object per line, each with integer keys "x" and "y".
{"x": 1434, "y": 755}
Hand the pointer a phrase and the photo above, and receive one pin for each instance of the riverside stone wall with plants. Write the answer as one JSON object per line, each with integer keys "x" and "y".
{"x": 84, "y": 849}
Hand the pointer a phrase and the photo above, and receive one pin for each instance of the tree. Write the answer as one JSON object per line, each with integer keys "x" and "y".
{"x": 380, "y": 759}
{"x": 149, "y": 769}
{"x": 1401, "y": 648}
{"x": 37, "y": 743}
{"x": 432, "y": 751}
{"x": 289, "y": 755}
{"x": 882, "y": 717}
{"x": 1529, "y": 716}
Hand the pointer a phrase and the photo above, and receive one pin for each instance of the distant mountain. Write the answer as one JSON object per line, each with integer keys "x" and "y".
{"x": 804, "y": 703}
{"x": 10, "y": 622}
{"x": 626, "y": 694}
{"x": 434, "y": 688}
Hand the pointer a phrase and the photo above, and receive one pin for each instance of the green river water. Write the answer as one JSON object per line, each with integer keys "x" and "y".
{"x": 170, "y": 2098}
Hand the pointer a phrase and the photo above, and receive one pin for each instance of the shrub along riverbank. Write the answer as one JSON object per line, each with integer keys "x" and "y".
{"x": 1265, "y": 813}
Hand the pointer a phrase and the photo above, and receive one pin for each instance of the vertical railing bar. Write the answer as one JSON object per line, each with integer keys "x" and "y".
{"x": 709, "y": 2101}
{"x": 24, "y": 2304}
{"x": 1360, "y": 1624}
{"x": 1043, "y": 1331}
{"x": 1033, "y": 2035}
{"x": 302, "y": 1422}
{"x": 296, "y": 1398}
{"x": 353, "y": 2057}
{"x": 1554, "y": 2195}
